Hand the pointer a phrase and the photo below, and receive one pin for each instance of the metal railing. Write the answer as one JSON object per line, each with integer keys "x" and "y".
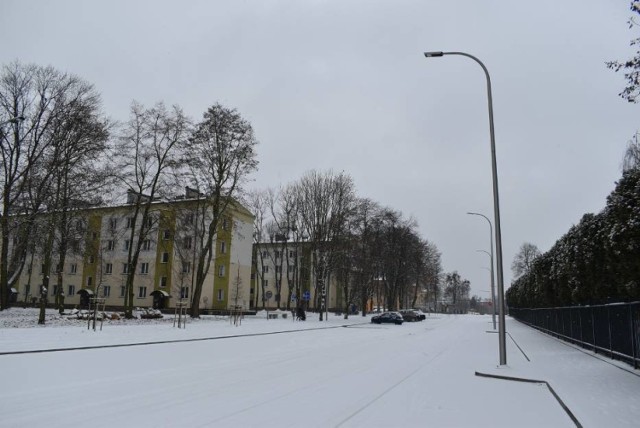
{"x": 613, "y": 329}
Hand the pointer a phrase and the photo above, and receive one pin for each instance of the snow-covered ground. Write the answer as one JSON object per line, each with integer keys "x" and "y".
{"x": 360, "y": 375}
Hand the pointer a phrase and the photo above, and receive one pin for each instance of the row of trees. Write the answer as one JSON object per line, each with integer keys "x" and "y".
{"x": 372, "y": 252}
{"x": 596, "y": 261}
{"x": 61, "y": 155}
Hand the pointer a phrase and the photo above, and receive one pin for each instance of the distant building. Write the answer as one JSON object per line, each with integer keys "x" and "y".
{"x": 283, "y": 270}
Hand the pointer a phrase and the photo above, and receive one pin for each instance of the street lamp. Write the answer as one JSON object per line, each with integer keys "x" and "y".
{"x": 493, "y": 294}
{"x": 496, "y": 202}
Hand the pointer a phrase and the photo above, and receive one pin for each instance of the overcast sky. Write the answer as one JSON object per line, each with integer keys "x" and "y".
{"x": 344, "y": 85}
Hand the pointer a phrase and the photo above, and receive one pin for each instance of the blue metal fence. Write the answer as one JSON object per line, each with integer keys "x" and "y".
{"x": 612, "y": 329}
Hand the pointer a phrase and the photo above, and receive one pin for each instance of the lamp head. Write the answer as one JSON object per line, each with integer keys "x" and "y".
{"x": 433, "y": 54}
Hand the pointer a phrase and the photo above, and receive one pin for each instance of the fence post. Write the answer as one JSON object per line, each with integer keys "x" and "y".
{"x": 633, "y": 338}
{"x": 593, "y": 329}
{"x": 571, "y": 324}
{"x": 609, "y": 325}
{"x": 580, "y": 322}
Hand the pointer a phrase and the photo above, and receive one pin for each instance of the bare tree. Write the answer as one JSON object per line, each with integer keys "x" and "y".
{"x": 324, "y": 201}
{"x": 457, "y": 289}
{"x": 432, "y": 275}
{"x": 631, "y": 158}
{"x": 630, "y": 67}
{"x": 292, "y": 235}
{"x": 36, "y": 102}
{"x": 237, "y": 296}
{"x": 147, "y": 158}
{"x": 365, "y": 224}
{"x": 524, "y": 258}
{"x": 257, "y": 201}
{"x": 80, "y": 137}
{"x": 221, "y": 155}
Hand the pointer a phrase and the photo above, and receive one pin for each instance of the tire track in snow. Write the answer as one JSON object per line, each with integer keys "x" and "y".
{"x": 389, "y": 389}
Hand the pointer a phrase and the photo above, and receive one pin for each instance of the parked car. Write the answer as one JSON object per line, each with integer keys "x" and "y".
{"x": 409, "y": 315}
{"x": 421, "y": 314}
{"x": 388, "y": 317}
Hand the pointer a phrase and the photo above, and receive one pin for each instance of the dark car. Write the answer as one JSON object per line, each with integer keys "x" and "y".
{"x": 409, "y": 315}
{"x": 388, "y": 317}
{"x": 421, "y": 314}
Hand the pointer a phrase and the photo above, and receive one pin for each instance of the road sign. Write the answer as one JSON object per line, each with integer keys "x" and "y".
{"x": 293, "y": 297}
{"x": 269, "y": 294}
{"x": 306, "y": 295}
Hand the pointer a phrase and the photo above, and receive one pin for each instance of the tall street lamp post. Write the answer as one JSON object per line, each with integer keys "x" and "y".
{"x": 493, "y": 294}
{"x": 493, "y": 290}
{"x": 496, "y": 203}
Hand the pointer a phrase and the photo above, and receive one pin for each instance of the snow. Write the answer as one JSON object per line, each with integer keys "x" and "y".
{"x": 336, "y": 373}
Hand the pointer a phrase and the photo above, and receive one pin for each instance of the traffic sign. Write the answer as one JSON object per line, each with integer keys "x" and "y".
{"x": 306, "y": 295}
{"x": 269, "y": 294}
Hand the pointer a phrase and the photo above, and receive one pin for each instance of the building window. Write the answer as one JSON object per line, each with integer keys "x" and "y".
{"x": 277, "y": 254}
{"x": 163, "y": 282}
{"x": 220, "y": 295}
{"x": 106, "y": 291}
{"x": 165, "y": 258}
{"x": 264, "y": 254}
{"x": 55, "y": 290}
{"x": 111, "y": 245}
{"x": 265, "y": 269}
{"x": 223, "y": 247}
{"x": 144, "y": 268}
{"x": 292, "y": 254}
{"x": 42, "y": 268}
{"x": 225, "y": 224}
{"x": 184, "y": 292}
{"x": 149, "y": 222}
{"x": 71, "y": 290}
{"x": 129, "y": 222}
{"x": 125, "y": 267}
{"x": 186, "y": 242}
{"x": 265, "y": 283}
{"x": 166, "y": 234}
{"x": 146, "y": 244}
{"x": 290, "y": 269}
{"x": 73, "y": 269}
{"x": 221, "y": 271}
{"x": 142, "y": 292}
{"x": 278, "y": 269}
{"x": 123, "y": 290}
{"x": 92, "y": 259}
{"x": 113, "y": 224}
{"x": 188, "y": 218}
{"x": 127, "y": 244}
{"x": 108, "y": 269}
{"x": 89, "y": 281}
{"x": 186, "y": 267}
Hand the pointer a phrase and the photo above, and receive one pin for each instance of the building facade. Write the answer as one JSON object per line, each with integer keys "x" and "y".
{"x": 96, "y": 264}
{"x": 282, "y": 277}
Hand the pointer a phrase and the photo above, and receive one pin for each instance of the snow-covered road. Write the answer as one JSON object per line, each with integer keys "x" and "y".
{"x": 414, "y": 375}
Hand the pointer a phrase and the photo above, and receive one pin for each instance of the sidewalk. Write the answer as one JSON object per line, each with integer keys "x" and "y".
{"x": 600, "y": 392}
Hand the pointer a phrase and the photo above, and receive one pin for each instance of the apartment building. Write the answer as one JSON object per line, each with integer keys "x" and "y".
{"x": 283, "y": 270}
{"x": 96, "y": 263}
